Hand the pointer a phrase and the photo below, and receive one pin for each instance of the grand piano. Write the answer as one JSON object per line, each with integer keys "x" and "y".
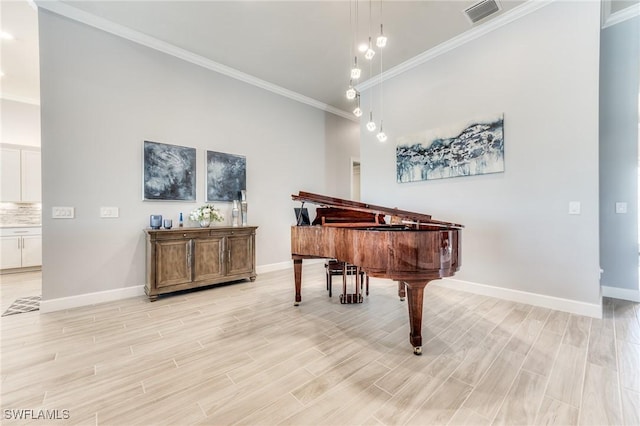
{"x": 412, "y": 249}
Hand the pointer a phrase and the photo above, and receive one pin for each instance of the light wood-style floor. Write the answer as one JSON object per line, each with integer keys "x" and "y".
{"x": 16, "y": 285}
{"x": 243, "y": 354}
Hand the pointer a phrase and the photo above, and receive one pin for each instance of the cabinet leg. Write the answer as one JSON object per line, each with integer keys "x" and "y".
{"x": 153, "y": 298}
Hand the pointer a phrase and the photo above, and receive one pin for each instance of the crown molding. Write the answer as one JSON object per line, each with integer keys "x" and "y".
{"x": 609, "y": 19}
{"x": 75, "y": 14}
{"x": 22, "y": 99}
{"x": 464, "y": 38}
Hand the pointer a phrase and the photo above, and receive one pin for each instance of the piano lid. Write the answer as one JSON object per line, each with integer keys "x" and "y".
{"x": 404, "y": 215}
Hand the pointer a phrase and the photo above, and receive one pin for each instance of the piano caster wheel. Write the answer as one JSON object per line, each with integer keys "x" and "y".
{"x": 402, "y": 299}
{"x": 296, "y": 303}
{"x": 417, "y": 350}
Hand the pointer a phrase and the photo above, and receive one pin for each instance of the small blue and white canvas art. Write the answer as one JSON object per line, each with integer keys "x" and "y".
{"x": 169, "y": 172}
{"x": 471, "y": 148}
{"x": 226, "y": 176}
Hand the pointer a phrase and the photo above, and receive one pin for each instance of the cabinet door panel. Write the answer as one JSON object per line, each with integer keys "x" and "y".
{"x": 10, "y": 175}
{"x": 31, "y": 250}
{"x": 173, "y": 262}
{"x": 207, "y": 258}
{"x": 10, "y": 252}
{"x": 31, "y": 176}
{"x": 240, "y": 248}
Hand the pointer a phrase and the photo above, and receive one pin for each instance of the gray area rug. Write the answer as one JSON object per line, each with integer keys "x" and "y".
{"x": 23, "y": 304}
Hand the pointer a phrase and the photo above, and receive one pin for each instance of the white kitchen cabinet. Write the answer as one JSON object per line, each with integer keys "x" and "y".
{"x": 21, "y": 175}
{"x": 31, "y": 176}
{"x": 20, "y": 247}
{"x": 31, "y": 250}
{"x": 11, "y": 252}
{"x": 10, "y": 174}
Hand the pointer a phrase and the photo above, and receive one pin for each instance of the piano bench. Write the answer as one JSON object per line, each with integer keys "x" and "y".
{"x": 335, "y": 267}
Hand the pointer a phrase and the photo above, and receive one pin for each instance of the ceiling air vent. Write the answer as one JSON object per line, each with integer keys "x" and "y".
{"x": 481, "y": 10}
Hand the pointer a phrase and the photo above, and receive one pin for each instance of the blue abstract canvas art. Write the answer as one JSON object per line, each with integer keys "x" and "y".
{"x": 471, "y": 148}
{"x": 169, "y": 172}
{"x": 226, "y": 176}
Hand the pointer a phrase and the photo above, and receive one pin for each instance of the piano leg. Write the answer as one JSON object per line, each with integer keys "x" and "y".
{"x": 297, "y": 274}
{"x": 415, "y": 292}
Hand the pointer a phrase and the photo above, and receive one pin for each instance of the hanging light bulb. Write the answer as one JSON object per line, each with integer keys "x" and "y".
{"x": 355, "y": 71}
{"x": 371, "y": 126}
{"x": 358, "y": 111}
{"x": 382, "y": 136}
{"x": 351, "y": 92}
{"x": 370, "y": 53}
{"x": 381, "y": 41}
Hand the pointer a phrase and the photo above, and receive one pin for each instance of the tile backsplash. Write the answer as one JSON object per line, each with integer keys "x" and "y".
{"x": 20, "y": 214}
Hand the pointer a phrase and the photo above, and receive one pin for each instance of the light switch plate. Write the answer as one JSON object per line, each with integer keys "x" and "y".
{"x": 62, "y": 212}
{"x": 574, "y": 207}
{"x": 621, "y": 207}
{"x": 109, "y": 212}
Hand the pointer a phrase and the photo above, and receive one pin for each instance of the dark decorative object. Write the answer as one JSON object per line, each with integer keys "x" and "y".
{"x": 169, "y": 172}
{"x": 226, "y": 176}
{"x": 155, "y": 221}
{"x": 474, "y": 148}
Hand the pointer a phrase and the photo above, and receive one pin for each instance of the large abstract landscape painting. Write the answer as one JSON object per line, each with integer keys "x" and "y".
{"x": 471, "y": 148}
{"x": 226, "y": 176}
{"x": 169, "y": 172}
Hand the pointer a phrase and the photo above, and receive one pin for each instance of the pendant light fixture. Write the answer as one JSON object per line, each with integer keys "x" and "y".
{"x": 351, "y": 93}
{"x": 366, "y": 49}
{"x": 381, "y": 41}
{"x": 370, "y": 53}
{"x": 371, "y": 125}
{"x": 355, "y": 71}
{"x": 382, "y": 136}
{"x": 357, "y": 111}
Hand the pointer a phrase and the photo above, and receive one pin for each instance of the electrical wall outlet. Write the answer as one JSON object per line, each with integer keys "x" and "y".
{"x": 621, "y": 207}
{"x": 109, "y": 212}
{"x": 62, "y": 212}
{"x": 574, "y": 207}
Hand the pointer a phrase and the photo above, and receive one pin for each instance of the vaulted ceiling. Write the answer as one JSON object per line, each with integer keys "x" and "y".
{"x": 301, "y": 46}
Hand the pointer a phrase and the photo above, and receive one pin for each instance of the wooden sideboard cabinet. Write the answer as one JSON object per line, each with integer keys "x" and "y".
{"x": 185, "y": 258}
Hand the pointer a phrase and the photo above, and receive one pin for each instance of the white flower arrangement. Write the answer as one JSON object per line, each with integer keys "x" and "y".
{"x": 206, "y": 212}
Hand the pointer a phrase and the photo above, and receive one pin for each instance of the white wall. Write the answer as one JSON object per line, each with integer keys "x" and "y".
{"x": 541, "y": 71}
{"x": 20, "y": 123}
{"x": 102, "y": 96}
{"x": 619, "y": 75}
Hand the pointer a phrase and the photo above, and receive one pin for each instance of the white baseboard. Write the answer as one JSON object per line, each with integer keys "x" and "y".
{"x": 262, "y": 269}
{"x": 621, "y": 293}
{"x": 272, "y": 267}
{"x": 63, "y": 303}
{"x": 135, "y": 291}
{"x": 551, "y": 302}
